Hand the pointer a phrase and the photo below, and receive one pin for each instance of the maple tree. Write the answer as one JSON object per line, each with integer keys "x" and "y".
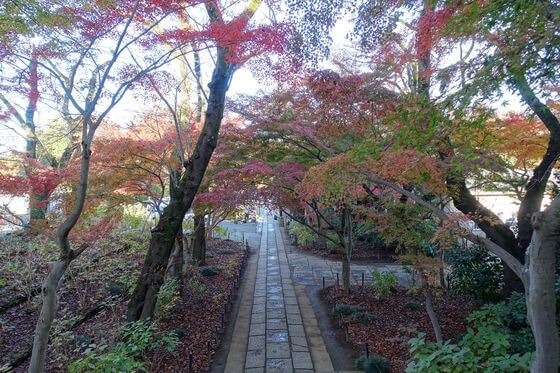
{"x": 233, "y": 41}
{"x": 92, "y": 90}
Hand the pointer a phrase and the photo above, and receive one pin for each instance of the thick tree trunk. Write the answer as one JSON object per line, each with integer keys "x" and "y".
{"x": 490, "y": 224}
{"x": 432, "y": 314}
{"x": 47, "y": 314}
{"x": 540, "y": 270}
{"x": 175, "y": 266}
{"x": 198, "y": 257}
{"x": 142, "y": 303}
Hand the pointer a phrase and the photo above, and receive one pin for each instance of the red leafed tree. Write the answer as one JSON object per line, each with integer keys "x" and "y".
{"x": 84, "y": 62}
{"x": 233, "y": 40}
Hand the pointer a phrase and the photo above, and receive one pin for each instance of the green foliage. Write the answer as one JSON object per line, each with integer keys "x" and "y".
{"x": 366, "y": 232}
{"x": 510, "y": 317}
{"x": 413, "y": 305}
{"x": 220, "y": 232}
{"x": 208, "y": 271}
{"x": 197, "y": 286}
{"x": 485, "y": 350}
{"x": 502, "y": 342}
{"x": 139, "y": 337}
{"x": 363, "y": 317}
{"x": 372, "y": 364}
{"x": 304, "y": 236}
{"x": 333, "y": 247}
{"x": 384, "y": 283}
{"x": 476, "y": 272}
{"x": 167, "y": 297}
{"x": 346, "y": 309}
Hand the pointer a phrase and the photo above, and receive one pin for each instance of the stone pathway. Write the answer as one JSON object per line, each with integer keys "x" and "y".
{"x": 277, "y": 339}
{"x": 309, "y": 270}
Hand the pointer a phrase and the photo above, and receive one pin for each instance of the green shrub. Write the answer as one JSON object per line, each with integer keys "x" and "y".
{"x": 167, "y": 297}
{"x": 209, "y": 255}
{"x": 332, "y": 247}
{"x": 413, "y": 305}
{"x": 304, "y": 236}
{"x": 502, "y": 342}
{"x": 346, "y": 309}
{"x": 475, "y": 271}
{"x": 197, "y": 286}
{"x": 363, "y": 317}
{"x": 139, "y": 337}
{"x": 372, "y": 364}
{"x": 481, "y": 351}
{"x": 208, "y": 271}
{"x": 384, "y": 283}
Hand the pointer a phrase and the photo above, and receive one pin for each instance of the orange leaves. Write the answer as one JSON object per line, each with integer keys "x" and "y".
{"x": 520, "y": 138}
{"x": 410, "y": 167}
{"x": 334, "y": 182}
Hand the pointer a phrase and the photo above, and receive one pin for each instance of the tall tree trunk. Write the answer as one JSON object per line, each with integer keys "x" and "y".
{"x": 66, "y": 255}
{"x": 347, "y": 254}
{"x": 175, "y": 266}
{"x": 199, "y": 244}
{"x": 540, "y": 294}
{"x": 142, "y": 303}
{"x": 47, "y": 314}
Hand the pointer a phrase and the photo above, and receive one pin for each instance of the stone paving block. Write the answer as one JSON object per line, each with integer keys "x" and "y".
{"x": 275, "y": 297}
{"x": 274, "y": 304}
{"x": 255, "y": 359}
{"x": 259, "y": 300}
{"x": 258, "y": 318}
{"x": 276, "y": 313}
{"x": 292, "y": 309}
{"x": 256, "y": 342}
{"x": 279, "y": 366}
{"x": 257, "y": 329}
{"x": 294, "y": 318}
{"x": 276, "y": 324}
{"x": 296, "y": 331}
{"x": 278, "y": 350}
{"x": 290, "y": 300}
{"x": 259, "y": 308}
{"x": 277, "y": 336}
{"x": 302, "y": 360}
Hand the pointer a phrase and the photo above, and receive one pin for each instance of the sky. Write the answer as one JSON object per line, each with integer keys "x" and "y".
{"x": 243, "y": 82}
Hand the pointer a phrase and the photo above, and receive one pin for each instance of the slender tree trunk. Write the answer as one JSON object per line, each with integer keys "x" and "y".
{"x": 142, "y": 303}
{"x": 199, "y": 244}
{"x": 67, "y": 254}
{"x": 540, "y": 294}
{"x": 432, "y": 314}
{"x": 347, "y": 229}
{"x": 47, "y": 315}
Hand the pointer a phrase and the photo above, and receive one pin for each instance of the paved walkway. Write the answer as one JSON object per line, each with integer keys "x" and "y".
{"x": 282, "y": 333}
{"x": 310, "y": 270}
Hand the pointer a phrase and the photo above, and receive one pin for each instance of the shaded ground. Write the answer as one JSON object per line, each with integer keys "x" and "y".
{"x": 396, "y": 319}
{"x": 104, "y": 277}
